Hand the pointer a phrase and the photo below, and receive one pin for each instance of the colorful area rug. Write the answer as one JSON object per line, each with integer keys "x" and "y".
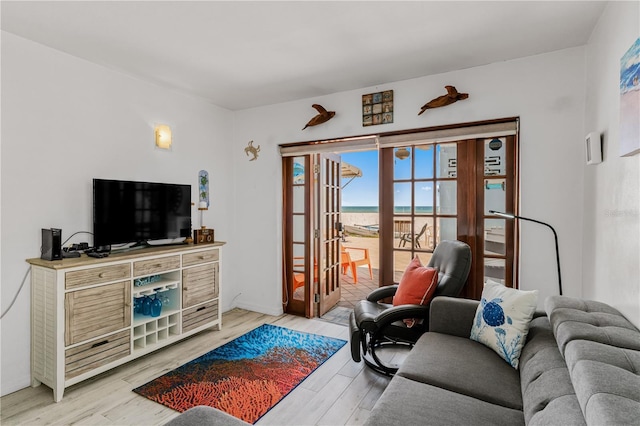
{"x": 247, "y": 376}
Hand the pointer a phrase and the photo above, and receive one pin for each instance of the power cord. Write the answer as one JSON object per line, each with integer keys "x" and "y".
{"x": 28, "y": 270}
{"x": 16, "y": 296}
{"x": 74, "y": 234}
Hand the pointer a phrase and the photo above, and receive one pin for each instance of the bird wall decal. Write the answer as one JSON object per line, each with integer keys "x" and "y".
{"x": 452, "y": 96}
{"x": 322, "y": 116}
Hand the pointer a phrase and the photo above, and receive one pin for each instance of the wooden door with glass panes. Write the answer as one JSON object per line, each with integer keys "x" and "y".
{"x": 444, "y": 191}
{"x": 328, "y": 241}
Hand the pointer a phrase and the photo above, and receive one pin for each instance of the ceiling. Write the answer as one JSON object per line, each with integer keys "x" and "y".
{"x": 242, "y": 54}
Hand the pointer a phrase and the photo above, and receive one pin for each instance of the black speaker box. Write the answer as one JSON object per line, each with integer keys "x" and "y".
{"x": 51, "y": 244}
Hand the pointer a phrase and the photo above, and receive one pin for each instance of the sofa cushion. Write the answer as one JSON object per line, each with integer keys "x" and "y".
{"x": 463, "y": 366}
{"x": 407, "y": 402}
{"x": 548, "y": 397}
{"x": 607, "y": 381}
{"x": 576, "y": 319}
{"x": 602, "y": 353}
{"x": 502, "y": 320}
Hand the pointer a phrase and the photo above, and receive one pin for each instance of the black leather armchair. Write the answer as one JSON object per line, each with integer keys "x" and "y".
{"x": 374, "y": 324}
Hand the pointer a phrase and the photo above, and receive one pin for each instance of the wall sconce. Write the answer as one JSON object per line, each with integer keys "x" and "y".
{"x": 163, "y": 136}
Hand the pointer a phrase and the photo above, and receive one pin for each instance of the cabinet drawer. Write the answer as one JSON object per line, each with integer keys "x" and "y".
{"x": 199, "y": 284}
{"x": 199, "y": 315}
{"x": 92, "y": 312}
{"x": 103, "y": 274}
{"x": 153, "y": 266}
{"x": 97, "y": 353}
{"x": 200, "y": 257}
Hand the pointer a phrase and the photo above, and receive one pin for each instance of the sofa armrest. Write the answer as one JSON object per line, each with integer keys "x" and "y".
{"x": 451, "y": 315}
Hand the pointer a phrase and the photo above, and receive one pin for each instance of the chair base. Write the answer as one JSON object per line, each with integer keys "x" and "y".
{"x": 376, "y": 363}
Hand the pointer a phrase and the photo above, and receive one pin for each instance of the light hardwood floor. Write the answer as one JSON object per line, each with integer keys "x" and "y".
{"x": 340, "y": 392}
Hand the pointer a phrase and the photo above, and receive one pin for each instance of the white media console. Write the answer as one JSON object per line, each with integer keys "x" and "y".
{"x": 83, "y": 320}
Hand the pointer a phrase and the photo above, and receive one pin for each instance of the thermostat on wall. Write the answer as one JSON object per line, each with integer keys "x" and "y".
{"x": 593, "y": 146}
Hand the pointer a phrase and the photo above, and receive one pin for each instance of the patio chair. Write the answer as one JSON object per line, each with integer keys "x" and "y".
{"x": 415, "y": 238}
{"x": 347, "y": 262}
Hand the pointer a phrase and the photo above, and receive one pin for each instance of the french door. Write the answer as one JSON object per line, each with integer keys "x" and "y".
{"x": 444, "y": 191}
{"x": 311, "y": 241}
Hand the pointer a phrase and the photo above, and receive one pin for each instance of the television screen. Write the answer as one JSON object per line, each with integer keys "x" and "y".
{"x": 135, "y": 212}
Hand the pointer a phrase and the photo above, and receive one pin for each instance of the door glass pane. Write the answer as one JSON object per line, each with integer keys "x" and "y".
{"x": 401, "y": 229}
{"x": 494, "y": 242}
{"x": 447, "y": 229}
{"x": 401, "y": 260}
{"x": 494, "y": 195}
{"x": 402, "y": 163}
{"x": 494, "y": 157}
{"x": 423, "y": 196}
{"x": 423, "y": 237}
{"x": 423, "y": 161}
{"x": 446, "y": 197}
{"x": 402, "y": 197}
{"x": 298, "y": 199}
{"x": 446, "y": 160}
{"x": 298, "y": 228}
{"x": 494, "y": 270}
{"x": 298, "y": 170}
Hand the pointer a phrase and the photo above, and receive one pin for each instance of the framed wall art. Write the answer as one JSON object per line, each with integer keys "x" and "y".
{"x": 377, "y": 108}
{"x": 630, "y": 101}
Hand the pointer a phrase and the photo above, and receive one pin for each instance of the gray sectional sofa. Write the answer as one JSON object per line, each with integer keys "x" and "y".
{"x": 580, "y": 365}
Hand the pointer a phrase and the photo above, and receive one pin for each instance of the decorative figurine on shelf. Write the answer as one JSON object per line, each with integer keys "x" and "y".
{"x": 452, "y": 96}
{"x": 203, "y": 235}
{"x": 250, "y": 149}
{"x": 322, "y": 116}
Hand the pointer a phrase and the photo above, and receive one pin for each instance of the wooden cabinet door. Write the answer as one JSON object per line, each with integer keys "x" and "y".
{"x": 96, "y": 311}
{"x": 199, "y": 284}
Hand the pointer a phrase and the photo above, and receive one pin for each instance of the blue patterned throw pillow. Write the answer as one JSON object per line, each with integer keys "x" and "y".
{"x": 502, "y": 320}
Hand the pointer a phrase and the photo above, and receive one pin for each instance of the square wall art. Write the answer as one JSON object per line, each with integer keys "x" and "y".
{"x": 377, "y": 108}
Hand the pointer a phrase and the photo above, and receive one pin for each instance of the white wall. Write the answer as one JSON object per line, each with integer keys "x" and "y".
{"x": 545, "y": 91}
{"x": 66, "y": 121}
{"x": 611, "y": 255}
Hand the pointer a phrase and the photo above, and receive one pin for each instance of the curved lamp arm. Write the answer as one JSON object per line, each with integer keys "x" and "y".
{"x": 555, "y": 235}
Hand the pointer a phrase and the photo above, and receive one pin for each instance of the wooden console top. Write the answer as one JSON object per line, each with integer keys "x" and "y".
{"x": 85, "y": 260}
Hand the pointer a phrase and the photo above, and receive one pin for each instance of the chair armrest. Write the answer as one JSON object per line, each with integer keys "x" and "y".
{"x": 401, "y": 312}
{"x": 382, "y": 293}
{"x": 451, "y": 315}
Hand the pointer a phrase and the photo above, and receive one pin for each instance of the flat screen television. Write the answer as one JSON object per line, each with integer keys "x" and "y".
{"x": 140, "y": 212}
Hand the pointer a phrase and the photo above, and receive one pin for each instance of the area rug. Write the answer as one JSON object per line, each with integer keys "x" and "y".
{"x": 247, "y": 376}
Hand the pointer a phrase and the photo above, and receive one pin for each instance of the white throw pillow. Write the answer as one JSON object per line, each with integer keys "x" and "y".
{"x": 502, "y": 320}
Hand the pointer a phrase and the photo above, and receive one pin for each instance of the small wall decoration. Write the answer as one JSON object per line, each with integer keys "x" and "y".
{"x": 250, "y": 149}
{"x": 630, "y": 101}
{"x": 203, "y": 190}
{"x": 377, "y": 108}
{"x": 452, "y": 96}
{"x": 322, "y": 116}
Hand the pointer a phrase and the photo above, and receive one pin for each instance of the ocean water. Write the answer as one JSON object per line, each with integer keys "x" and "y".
{"x": 375, "y": 209}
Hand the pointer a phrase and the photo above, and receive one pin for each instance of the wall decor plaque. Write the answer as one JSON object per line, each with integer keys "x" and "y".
{"x": 377, "y": 108}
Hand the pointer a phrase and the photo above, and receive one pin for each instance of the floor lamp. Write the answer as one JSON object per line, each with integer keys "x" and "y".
{"x": 555, "y": 235}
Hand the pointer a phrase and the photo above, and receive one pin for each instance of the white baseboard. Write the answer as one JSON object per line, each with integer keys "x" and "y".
{"x": 268, "y": 310}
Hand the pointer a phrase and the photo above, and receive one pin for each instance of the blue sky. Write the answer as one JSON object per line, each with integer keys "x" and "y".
{"x": 363, "y": 191}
